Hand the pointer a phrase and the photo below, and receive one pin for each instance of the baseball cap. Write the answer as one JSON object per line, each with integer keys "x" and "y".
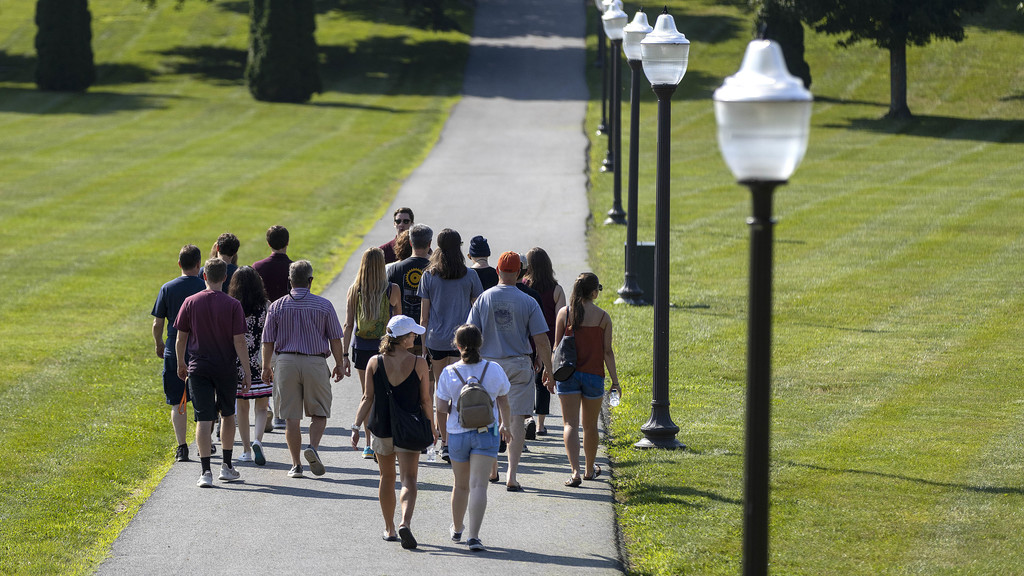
{"x": 401, "y": 325}
{"x": 509, "y": 262}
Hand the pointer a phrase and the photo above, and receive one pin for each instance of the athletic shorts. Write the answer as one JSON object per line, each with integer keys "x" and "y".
{"x": 211, "y": 396}
{"x": 304, "y": 383}
{"x": 386, "y": 447}
{"x": 463, "y": 444}
{"x": 590, "y": 385}
{"x": 360, "y": 358}
{"x": 442, "y": 354}
{"x": 174, "y": 387}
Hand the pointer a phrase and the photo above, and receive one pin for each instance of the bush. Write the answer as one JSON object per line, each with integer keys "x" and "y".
{"x": 64, "y": 45}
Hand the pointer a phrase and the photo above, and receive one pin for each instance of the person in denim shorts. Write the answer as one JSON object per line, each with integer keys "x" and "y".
{"x": 583, "y": 392}
{"x": 472, "y": 452}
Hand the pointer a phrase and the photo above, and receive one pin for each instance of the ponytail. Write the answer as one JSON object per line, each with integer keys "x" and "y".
{"x": 388, "y": 344}
{"x": 469, "y": 340}
{"x": 582, "y": 288}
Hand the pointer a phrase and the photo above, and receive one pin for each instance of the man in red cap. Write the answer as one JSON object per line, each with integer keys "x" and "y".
{"x": 508, "y": 319}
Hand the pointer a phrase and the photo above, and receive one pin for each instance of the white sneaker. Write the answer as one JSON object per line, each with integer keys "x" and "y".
{"x": 245, "y": 457}
{"x": 228, "y": 474}
{"x": 295, "y": 472}
{"x": 206, "y": 480}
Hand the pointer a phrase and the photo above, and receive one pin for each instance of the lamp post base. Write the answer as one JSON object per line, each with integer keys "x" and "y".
{"x": 615, "y": 216}
{"x": 630, "y": 293}
{"x": 660, "y": 431}
{"x": 660, "y": 443}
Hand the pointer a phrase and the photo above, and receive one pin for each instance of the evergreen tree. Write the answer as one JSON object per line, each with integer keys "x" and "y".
{"x": 283, "y": 64}
{"x": 892, "y": 25}
{"x": 64, "y": 45}
{"x": 778, "y": 21}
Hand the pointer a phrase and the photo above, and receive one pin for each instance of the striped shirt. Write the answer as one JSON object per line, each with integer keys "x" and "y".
{"x": 302, "y": 323}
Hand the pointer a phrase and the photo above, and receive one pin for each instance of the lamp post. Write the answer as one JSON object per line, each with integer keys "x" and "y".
{"x": 601, "y": 47}
{"x": 763, "y": 116}
{"x": 614, "y": 20}
{"x": 633, "y": 34}
{"x": 665, "y": 53}
{"x": 608, "y": 164}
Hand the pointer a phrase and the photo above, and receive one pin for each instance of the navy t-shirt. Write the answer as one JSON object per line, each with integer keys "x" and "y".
{"x": 227, "y": 278}
{"x": 169, "y": 301}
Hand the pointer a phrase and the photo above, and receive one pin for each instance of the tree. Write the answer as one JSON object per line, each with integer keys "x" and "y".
{"x": 64, "y": 45}
{"x": 892, "y": 25}
{"x": 283, "y": 63}
{"x": 778, "y": 20}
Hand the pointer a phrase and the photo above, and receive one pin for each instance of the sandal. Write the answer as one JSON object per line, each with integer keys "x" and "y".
{"x": 495, "y": 479}
{"x": 514, "y": 488}
{"x": 597, "y": 472}
{"x": 573, "y": 481}
{"x": 389, "y": 537}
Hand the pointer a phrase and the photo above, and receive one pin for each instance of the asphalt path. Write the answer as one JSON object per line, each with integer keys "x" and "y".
{"x": 510, "y": 165}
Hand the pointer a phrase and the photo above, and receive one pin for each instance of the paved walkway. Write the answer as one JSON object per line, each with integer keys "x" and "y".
{"x": 509, "y": 165}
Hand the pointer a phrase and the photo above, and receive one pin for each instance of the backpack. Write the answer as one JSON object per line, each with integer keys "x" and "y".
{"x": 373, "y": 329}
{"x": 475, "y": 405}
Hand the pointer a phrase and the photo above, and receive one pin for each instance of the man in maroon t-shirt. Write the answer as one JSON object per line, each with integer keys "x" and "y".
{"x": 404, "y": 220}
{"x": 211, "y": 328}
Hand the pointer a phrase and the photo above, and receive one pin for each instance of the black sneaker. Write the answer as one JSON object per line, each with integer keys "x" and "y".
{"x": 444, "y": 454}
{"x": 181, "y": 454}
{"x": 531, "y": 429}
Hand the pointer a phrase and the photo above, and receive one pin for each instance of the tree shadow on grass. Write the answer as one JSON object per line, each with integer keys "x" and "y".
{"x": 995, "y": 490}
{"x": 93, "y": 102}
{"x": 393, "y": 65}
{"x": 943, "y": 127}
{"x": 21, "y": 68}
{"x": 217, "y": 64}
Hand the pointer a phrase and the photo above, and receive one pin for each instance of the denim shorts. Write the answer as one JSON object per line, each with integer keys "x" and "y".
{"x": 590, "y": 385}
{"x": 461, "y": 445}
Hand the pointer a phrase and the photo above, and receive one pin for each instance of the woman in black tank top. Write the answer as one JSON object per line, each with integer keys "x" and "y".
{"x": 409, "y": 382}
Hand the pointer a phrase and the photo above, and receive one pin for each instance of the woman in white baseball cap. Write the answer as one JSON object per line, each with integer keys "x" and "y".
{"x": 407, "y": 378}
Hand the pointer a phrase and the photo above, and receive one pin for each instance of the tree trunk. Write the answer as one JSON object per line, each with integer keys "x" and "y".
{"x": 898, "y": 108}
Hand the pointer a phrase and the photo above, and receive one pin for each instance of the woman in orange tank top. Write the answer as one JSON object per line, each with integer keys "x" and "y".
{"x": 583, "y": 392}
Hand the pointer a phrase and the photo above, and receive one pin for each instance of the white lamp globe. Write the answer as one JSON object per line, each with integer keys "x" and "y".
{"x": 614, "y": 20}
{"x": 633, "y": 34}
{"x": 600, "y": 5}
{"x": 764, "y": 116}
{"x": 665, "y": 52}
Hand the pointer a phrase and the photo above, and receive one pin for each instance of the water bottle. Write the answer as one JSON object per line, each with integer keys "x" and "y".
{"x": 613, "y": 398}
{"x": 431, "y": 454}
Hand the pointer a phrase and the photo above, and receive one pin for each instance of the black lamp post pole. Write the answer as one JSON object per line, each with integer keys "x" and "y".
{"x": 660, "y": 431}
{"x": 616, "y": 215}
{"x": 759, "y": 344}
{"x": 601, "y": 47}
{"x": 630, "y": 293}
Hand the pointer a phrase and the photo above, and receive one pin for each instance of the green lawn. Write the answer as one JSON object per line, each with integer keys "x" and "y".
{"x": 898, "y": 406}
{"x": 98, "y": 192}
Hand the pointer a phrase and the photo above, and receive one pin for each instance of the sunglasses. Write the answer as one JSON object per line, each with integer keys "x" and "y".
{"x": 600, "y": 288}
{"x": 403, "y": 221}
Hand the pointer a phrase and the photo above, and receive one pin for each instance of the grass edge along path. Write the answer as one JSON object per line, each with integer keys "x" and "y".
{"x": 100, "y": 190}
{"x": 896, "y": 392}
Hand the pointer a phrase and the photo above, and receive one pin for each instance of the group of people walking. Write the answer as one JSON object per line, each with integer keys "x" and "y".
{"x": 427, "y": 334}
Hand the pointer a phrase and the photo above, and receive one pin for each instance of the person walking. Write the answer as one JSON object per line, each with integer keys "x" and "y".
{"x": 508, "y": 319}
{"x": 301, "y": 330}
{"x": 447, "y": 291}
{"x": 479, "y": 252}
{"x": 211, "y": 327}
{"x": 274, "y": 271}
{"x": 165, "y": 310}
{"x": 404, "y": 376}
{"x": 540, "y": 276}
{"x": 408, "y": 272}
{"x": 226, "y": 249}
{"x": 247, "y": 288}
{"x": 404, "y": 219}
{"x": 371, "y": 303}
{"x": 583, "y": 392}
{"x": 473, "y": 452}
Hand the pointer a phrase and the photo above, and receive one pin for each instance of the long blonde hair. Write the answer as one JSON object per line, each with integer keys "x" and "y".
{"x": 371, "y": 281}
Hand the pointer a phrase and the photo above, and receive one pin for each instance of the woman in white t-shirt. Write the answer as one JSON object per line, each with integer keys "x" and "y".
{"x": 472, "y": 452}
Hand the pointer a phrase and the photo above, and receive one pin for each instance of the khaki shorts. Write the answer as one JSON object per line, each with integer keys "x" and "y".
{"x": 304, "y": 383}
{"x": 385, "y": 447}
{"x": 522, "y": 392}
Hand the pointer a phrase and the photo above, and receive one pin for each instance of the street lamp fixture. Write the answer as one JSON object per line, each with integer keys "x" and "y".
{"x": 664, "y": 52}
{"x": 764, "y": 117}
{"x": 633, "y": 34}
{"x": 614, "y": 20}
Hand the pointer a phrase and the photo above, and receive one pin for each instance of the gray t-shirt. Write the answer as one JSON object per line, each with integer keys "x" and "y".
{"x": 507, "y": 318}
{"x": 449, "y": 303}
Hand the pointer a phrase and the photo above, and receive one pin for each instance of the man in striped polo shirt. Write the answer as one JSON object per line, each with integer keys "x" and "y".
{"x": 303, "y": 328}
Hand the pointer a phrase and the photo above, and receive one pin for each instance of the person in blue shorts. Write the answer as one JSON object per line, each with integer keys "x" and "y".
{"x": 473, "y": 452}
{"x": 165, "y": 310}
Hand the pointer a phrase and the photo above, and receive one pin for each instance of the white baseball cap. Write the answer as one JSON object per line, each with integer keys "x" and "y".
{"x": 401, "y": 325}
